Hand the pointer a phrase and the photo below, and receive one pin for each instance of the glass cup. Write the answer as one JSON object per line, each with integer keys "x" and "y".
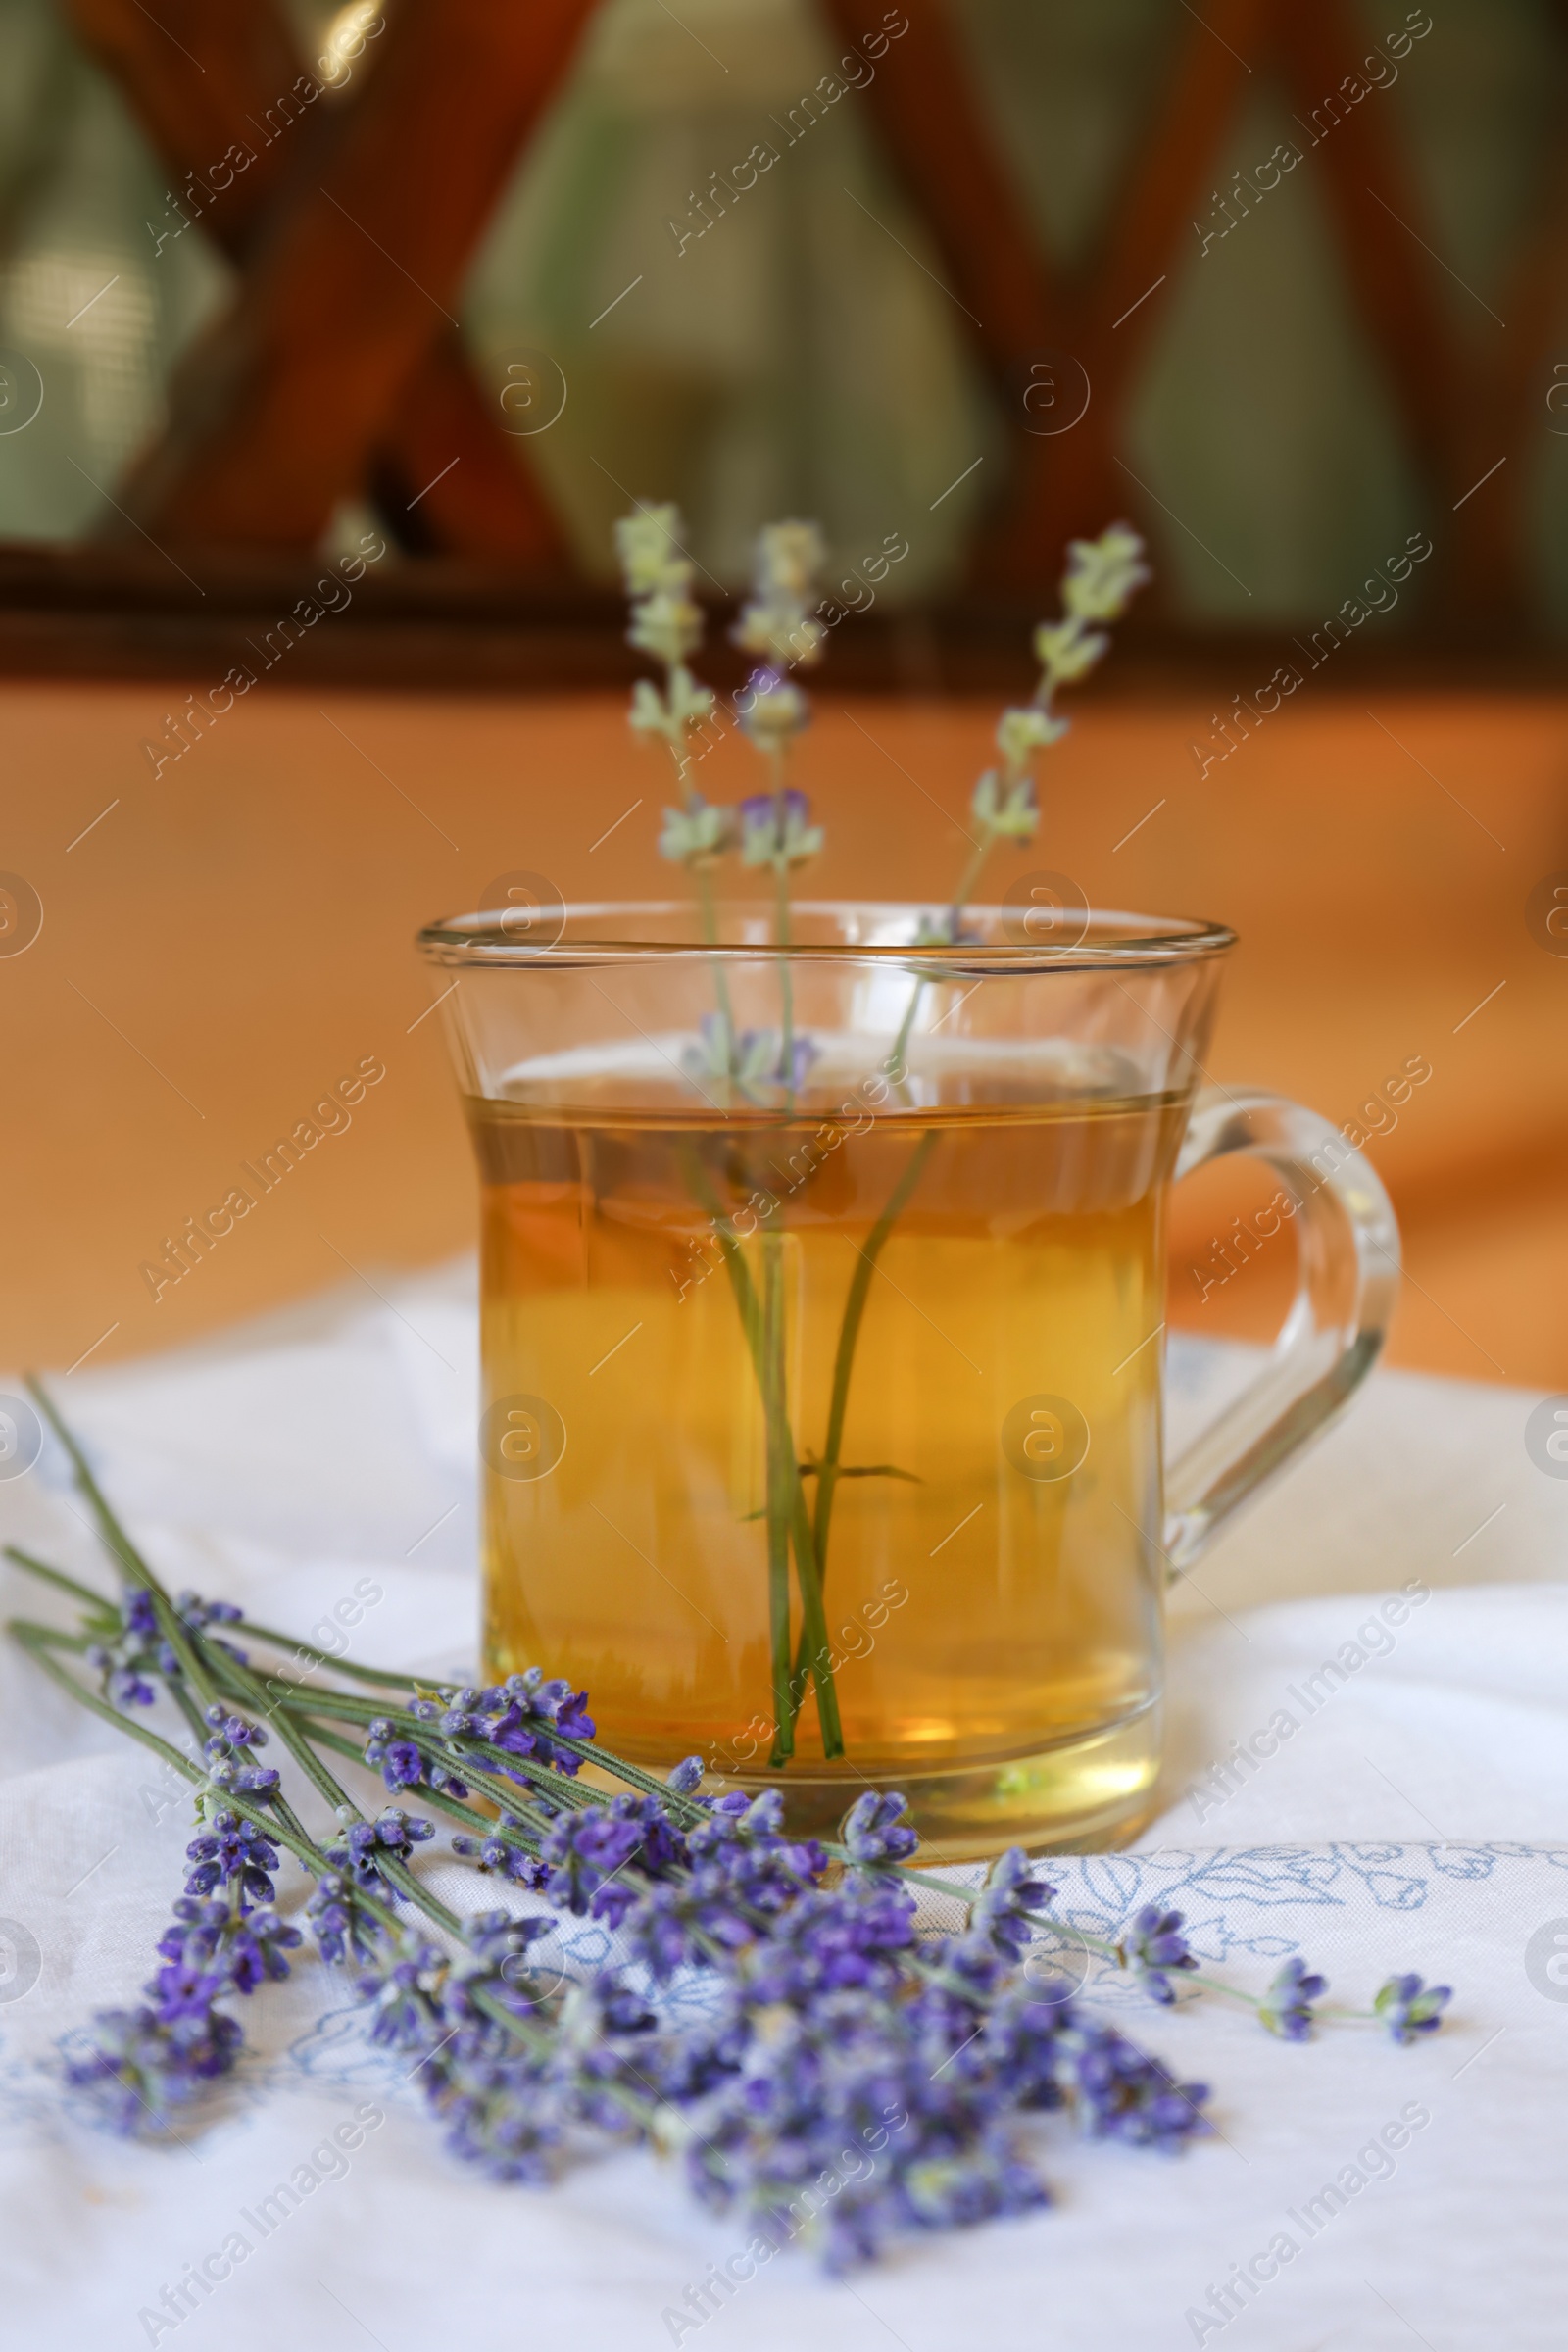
{"x": 823, "y": 1309}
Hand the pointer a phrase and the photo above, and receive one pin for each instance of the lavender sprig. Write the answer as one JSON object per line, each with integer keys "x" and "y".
{"x": 776, "y": 830}
{"x": 1102, "y": 578}
{"x": 666, "y": 624}
{"x": 1152, "y": 1946}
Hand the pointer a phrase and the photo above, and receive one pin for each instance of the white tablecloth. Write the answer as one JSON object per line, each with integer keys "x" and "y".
{"x": 1415, "y": 1816}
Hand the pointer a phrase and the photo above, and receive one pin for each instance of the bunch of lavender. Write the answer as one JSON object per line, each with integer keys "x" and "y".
{"x": 853, "y": 2080}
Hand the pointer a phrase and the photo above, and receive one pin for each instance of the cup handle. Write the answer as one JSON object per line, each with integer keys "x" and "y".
{"x": 1347, "y": 1272}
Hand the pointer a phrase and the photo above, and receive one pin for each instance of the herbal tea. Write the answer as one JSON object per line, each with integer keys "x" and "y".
{"x": 917, "y": 1353}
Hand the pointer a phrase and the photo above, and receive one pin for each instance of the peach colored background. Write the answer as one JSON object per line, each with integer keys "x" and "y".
{"x": 235, "y": 934}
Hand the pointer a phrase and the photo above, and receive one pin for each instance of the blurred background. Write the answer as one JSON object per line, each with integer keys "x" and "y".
{"x": 332, "y": 343}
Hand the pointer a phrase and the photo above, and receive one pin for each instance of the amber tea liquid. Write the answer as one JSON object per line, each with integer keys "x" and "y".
{"x": 992, "y": 1599}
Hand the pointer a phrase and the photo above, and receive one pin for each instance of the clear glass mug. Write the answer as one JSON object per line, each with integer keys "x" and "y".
{"x": 823, "y": 1303}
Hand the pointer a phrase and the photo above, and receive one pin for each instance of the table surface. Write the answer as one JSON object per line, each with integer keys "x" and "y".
{"x": 1415, "y": 1819}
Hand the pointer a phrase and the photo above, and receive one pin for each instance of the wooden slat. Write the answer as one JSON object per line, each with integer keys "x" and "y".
{"x": 449, "y": 471}
{"x": 944, "y": 148}
{"x": 335, "y": 349}
{"x": 1492, "y": 555}
{"x": 1397, "y": 282}
{"x": 200, "y": 82}
{"x": 1071, "y": 484}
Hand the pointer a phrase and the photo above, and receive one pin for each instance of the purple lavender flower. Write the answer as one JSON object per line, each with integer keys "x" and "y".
{"x": 854, "y": 1937}
{"x": 1021, "y": 2039}
{"x": 228, "y": 1749}
{"x": 501, "y": 2107}
{"x": 233, "y": 1850}
{"x": 660, "y": 1933}
{"x": 583, "y": 1850}
{"x": 241, "y": 1780}
{"x": 497, "y": 1854}
{"x": 126, "y": 1686}
{"x": 1001, "y": 1916}
{"x": 402, "y": 1984}
{"x": 495, "y": 1937}
{"x": 519, "y": 1716}
{"x": 120, "y": 1661}
{"x": 232, "y": 1730}
{"x": 742, "y": 1856}
{"x": 1118, "y": 2092}
{"x": 834, "y": 2127}
{"x": 197, "y": 1614}
{"x": 185, "y": 1988}
{"x": 240, "y": 1948}
{"x": 875, "y": 1831}
{"x": 776, "y": 827}
{"x": 141, "y": 2067}
{"x": 399, "y": 1761}
{"x": 1286, "y": 2009}
{"x": 147, "y": 2062}
{"x": 1408, "y": 2007}
{"x": 851, "y": 2083}
{"x": 391, "y": 1837}
{"x": 619, "y": 2010}
{"x": 344, "y": 1929}
{"x": 735, "y": 1871}
{"x": 256, "y": 1945}
{"x": 571, "y": 1717}
{"x": 767, "y": 813}
{"x": 660, "y": 1847}
{"x": 463, "y": 1719}
{"x": 401, "y": 1767}
{"x": 1152, "y": 1945}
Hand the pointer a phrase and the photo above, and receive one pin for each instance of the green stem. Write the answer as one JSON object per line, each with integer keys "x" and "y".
{"x": 76, "y": 1644}
{"x": 781, "y": 903}
{"x": 249, "y": 1686}
{"x": 968, "y": 878}
{"x": 897, "y": 1059}
{"x": 325, "y": 1657}
{"x": 707, "y": 915}
{"x": 775, "y": 1409}
{"x": 844, "y": 1365}
{"x": 38, "y": 1639}
{"x": 800, "y": 1523}
{"x": 119, "y": 1544}
{"x": 67, "y": 1584}
{"x": 849, "y": 1337}
{"x": 785, "y": 987}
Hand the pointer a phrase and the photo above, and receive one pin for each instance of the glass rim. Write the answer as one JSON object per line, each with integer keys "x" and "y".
{"x": 480, "y": 939}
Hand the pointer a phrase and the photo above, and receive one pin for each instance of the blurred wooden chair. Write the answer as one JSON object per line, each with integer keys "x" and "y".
{"x": 339, "y": 367}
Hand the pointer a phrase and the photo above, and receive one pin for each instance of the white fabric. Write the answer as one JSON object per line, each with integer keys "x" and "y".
{"x": 1415, "y": 1815}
